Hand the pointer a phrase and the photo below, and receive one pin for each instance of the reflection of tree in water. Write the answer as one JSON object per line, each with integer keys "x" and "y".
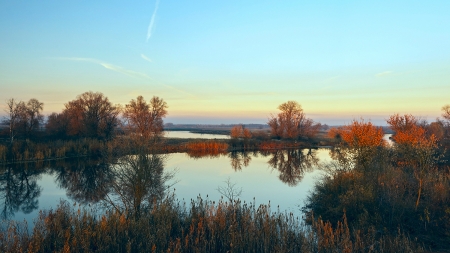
{"x": 292, "y": 164}
{"x": 199, "y": 154}
{"x": 239, "y": 159}
{"x": 19, "y": 189}
{"x": 139, "y": 180}
{"x": 85, "y": 181}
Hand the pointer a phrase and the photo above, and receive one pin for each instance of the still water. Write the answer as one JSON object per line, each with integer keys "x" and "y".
{"x": 282, "y": 177}
{"x": 189, "y": 135}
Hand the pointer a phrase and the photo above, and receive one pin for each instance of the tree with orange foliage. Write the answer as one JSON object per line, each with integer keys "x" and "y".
{"x": 360, "y": 134}
{"x": 416, "y": 148}
{"x": 409, "y": 133}
{"x": 359, "y": 143}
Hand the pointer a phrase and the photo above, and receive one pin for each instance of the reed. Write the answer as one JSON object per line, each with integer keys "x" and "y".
{"x": 204, "y": 226}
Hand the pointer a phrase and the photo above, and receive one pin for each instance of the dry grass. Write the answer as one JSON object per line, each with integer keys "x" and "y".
{"x": 203, "y": 227}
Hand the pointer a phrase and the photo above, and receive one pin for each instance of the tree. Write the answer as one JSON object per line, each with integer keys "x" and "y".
{"x": 360, "y": 134}
{"x": 33, "y": 115}
{"x": 446, "y": 112}
{"x": 292, "y": 123}
{"x": 240, "y": 131}
{"x": 446, "y": 115}
{"x": 416, "y": 148}
{"x": 22, "y": 118}
{"x": 57, "y": 125}
{"x": 12, "y": 118}
{"x": 92, "y": 115}
{"x": 359, "y": 143}
{"x": 146, "y": 119}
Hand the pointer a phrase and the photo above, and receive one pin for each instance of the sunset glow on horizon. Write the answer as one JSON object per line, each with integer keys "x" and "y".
{"x": 232, "y": 62}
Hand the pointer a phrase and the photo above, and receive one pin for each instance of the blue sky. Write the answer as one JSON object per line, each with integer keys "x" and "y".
{"x": 233, "y": 61}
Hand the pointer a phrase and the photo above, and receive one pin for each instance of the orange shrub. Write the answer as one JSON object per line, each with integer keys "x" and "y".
{"x": 208, "y": 148}
{"x": 408, "y": 132}
{"x": 361, "y": 134}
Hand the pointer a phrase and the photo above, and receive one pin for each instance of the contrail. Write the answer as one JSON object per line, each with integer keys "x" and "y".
{"x": 152, "y": 21}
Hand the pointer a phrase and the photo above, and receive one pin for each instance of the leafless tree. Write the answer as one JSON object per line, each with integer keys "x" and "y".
{"x": 12, "y": 117}
{"x": 446, "y": 112}
{"x": 230, "y": 191}
{"x": 291, "y": 122}
{"x": 34, "y": 115}
{"x": 92, "y": 115}
{"x": 146, "y": 119}
{"x": 23, "y": 118}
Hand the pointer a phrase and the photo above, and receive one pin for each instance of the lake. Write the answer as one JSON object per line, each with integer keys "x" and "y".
{"x": 282, "y": 177}
{"x": 189, "y": 135}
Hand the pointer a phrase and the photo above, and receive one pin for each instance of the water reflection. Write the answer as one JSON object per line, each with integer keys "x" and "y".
{"x": 131, "y": 183}
{"x": 198, "y": 154}
{"x": 292, "y": 164}
{"x": 138, "y": 181}
{"x": 85, "y": 180}
{"x": 240, "y": 159}
{"x": 19, "y": 189}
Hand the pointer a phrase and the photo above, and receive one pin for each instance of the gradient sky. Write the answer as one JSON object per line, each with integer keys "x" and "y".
{"x": 232, "y": 61}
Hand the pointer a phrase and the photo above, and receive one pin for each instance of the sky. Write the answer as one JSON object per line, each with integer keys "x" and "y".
{"x": 232, "y": 61}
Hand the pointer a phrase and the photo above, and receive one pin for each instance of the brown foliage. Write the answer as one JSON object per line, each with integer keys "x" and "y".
{"x": 146, "y": 119}
{"x": 240, "y": 132}
{"x": 204, "y": 227}
{"x": 91, "y": 115}
{"x": 206, "y": 148}
{"x": 292, "y": 123}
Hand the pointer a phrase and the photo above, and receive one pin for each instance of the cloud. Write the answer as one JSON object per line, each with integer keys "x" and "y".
{"x": 145, "y": 58}
{"x": 109, "y": 66}
{"x": 152, "y": 21}
{"x": 385, "y": 73}
{"x": 123, "y": 71}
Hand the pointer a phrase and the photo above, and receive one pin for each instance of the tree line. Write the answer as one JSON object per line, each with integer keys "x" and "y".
{"x": 90, "y": 115}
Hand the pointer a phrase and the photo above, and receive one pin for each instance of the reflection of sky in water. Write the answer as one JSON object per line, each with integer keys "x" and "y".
{"x": 203, "y": 176}
{"x": 50, "y": 197}
{"x": 258, "y": 180}
{"x": 189, "y": 135}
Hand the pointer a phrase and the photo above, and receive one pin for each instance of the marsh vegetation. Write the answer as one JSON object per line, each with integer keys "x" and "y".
{"x": 372, "y": 197}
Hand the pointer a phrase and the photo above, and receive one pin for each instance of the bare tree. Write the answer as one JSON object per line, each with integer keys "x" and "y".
{"x": 145, "y": 119}
{"x": 230, "y": 191}
{"x": 13, "y": 111}
{"x": 34, "y": 115}
{"x": 446, "y": 112}
{"x": 291, "y": 122}
{"x": 92, "y": 115}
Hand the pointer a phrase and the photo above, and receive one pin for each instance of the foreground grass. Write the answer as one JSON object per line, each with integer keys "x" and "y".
{"x": 202, "y": 226}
